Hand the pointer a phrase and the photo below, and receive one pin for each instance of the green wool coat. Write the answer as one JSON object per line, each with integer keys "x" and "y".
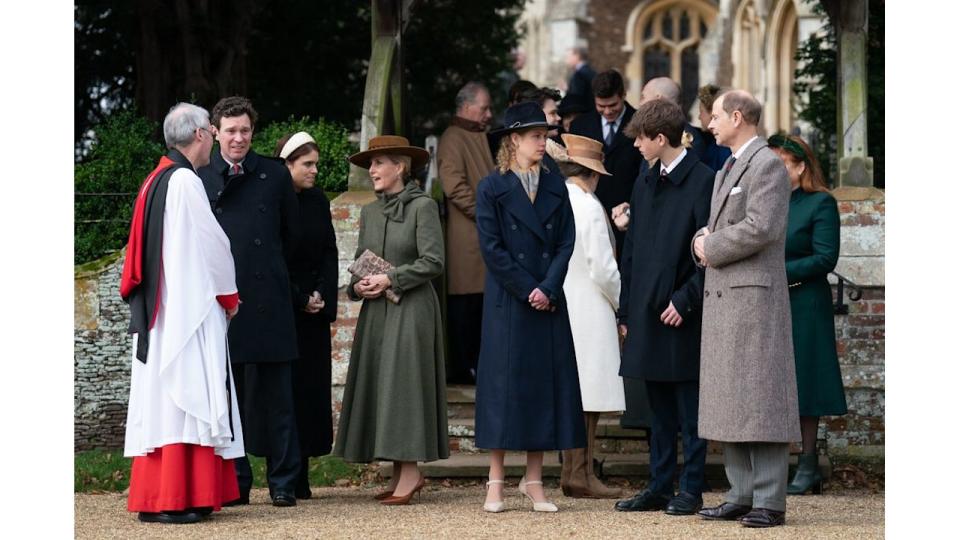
{"x": 394, "y": 401}
{"x": 812, "y": 249}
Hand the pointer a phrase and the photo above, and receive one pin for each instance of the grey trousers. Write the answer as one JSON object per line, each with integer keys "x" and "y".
{"x": 757, "y": 472}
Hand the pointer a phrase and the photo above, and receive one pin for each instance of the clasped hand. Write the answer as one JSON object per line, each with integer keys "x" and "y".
{"x": 372, "y": 286}
{"x": 539, "y": 301}
{"x": 698, "y": 249}
{"x": 314, "y": 304}
{"x": 621, "y": 216}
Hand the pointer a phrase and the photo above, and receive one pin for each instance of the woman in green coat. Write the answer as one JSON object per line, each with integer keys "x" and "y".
{"x": 394, "y": 402}
{"x": 812, "y": 249}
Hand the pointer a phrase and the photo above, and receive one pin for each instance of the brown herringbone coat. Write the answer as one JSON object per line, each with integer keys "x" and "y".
{"x": 748, "y": 386}
{"x": 463, "y": 157}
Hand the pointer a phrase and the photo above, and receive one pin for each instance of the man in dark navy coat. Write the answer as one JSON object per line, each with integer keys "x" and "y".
{"x": 660, "y": 304}
{"x": 253, "y": 199}
{"x": 605, "y": 124}
{"x": 581, "y": 79}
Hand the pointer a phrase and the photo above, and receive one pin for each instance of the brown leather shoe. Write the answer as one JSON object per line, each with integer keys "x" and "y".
{"x": 726, "y": 512}
{"x": 763, "y": 517}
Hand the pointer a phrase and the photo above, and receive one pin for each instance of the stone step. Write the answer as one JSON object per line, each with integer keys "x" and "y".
{"x": 631, "y": 466}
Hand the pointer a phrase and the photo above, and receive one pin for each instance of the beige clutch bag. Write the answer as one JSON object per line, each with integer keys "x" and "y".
{"x": 368, "y": 264}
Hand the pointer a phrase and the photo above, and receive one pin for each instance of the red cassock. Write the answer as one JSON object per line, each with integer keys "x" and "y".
{"x": 180, "y": 476}
{"x": 170, "y": 471}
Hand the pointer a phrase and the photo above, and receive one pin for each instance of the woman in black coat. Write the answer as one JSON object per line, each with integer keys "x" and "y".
{"x": 313, "y": 282}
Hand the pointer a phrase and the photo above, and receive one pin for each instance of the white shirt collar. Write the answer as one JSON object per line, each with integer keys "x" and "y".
{"x": 673, "y": 164}
{"x": 615, "y": 123}
{"x": 743, "y": 148}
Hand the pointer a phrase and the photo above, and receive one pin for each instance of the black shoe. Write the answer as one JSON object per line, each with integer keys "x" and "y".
{"x": 762, "y": 517}
{"x": 684, "y": 504}
{"x": 244, "y": 499}
{"x": 178, "y": 517}
{"x": 303, "y": 493}
{"x": 283, "y": 498}
{"x": 726, "y": 512}
{"x": 204, "y": 511}
{"x": 643, "y": 501}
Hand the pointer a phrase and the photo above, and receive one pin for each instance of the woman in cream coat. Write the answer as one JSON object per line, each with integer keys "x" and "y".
{"x": 592, "y": 288}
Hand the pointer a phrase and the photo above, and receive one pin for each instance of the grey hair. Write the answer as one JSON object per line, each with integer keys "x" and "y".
{"x": 181, "y": 122}
{"x": 468, "y": 94}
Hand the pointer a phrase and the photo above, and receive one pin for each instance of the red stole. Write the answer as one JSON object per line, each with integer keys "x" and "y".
{"x": 133, "y": 263}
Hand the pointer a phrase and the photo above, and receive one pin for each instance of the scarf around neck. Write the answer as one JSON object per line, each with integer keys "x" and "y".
{"x": 393, "y": 204}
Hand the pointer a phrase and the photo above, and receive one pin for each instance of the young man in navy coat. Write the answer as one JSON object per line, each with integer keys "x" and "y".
{"x": 660, "y": 304}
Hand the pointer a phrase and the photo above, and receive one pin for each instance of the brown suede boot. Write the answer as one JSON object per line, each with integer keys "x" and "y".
{"x": 595, "y": 487}
{"x": 566, "y": 461}
{"x": 577, "y": 479}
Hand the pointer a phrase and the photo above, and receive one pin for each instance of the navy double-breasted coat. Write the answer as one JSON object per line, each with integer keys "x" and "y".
{"x": 528, "y": 393}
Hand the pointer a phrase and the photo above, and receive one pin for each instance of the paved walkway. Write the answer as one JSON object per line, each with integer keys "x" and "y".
{"x": 454, "y": 512}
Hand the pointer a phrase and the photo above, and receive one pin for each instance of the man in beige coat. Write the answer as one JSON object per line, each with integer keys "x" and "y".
{"x": 464, "y": 158}
{"x": 748, "y": 387}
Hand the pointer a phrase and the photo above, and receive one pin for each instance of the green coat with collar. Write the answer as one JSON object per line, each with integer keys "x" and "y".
{"x": 812, "y": 250}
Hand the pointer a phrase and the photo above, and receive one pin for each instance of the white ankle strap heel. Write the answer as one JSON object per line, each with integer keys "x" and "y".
{"x": 493, "y": 507}
{"x": 545, "y": 506}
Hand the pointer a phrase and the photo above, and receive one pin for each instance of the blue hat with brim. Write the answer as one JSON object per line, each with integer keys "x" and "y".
{"x": 526, "y": 115}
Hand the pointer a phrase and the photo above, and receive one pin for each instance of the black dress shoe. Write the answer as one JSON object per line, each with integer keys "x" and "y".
{"x": 684, "y": 504}
{"x": 244, "y": 499}
{"x": 726, "y": 511}
{"x": 204, "y": 511}
{"x": 763, "y": 517}
{"x": 303, "y": 493}
{"x": 643, "y": 501}
{"x": 176, "y": 517}
{"x": 282, "y": 498}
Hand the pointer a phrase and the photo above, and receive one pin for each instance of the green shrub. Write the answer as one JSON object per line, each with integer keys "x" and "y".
{"x": 123, "y": 154}
{"x": 331, "y": 138}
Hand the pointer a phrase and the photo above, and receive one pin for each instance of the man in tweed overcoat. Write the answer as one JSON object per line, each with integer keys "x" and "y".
{"x": 748, "y": 387}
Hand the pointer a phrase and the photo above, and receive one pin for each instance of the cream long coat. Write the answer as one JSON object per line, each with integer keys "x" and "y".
{"x": 592, "y": 289}
{"x": 748, "y": 386}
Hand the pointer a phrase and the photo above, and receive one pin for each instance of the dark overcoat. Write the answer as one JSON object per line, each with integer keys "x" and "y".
{"x": 622, "y": 160}
{"x": 656, "y": 269}
{"x": 258, "y": 210}
{"x": 528, "y": 391}
{"x": 314, "y": 267}
{"x": 581, "y": 82}
{"x": 812, "y": 249}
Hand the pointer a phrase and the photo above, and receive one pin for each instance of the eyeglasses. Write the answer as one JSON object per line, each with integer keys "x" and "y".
{"x": 782, "y": 141}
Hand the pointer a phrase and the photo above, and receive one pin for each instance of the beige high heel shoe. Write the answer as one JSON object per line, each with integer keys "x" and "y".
{"x": 545, "y": 506}
{"x": 493, "y": 507}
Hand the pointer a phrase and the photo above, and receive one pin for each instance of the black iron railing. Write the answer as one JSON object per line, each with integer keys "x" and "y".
{"x": 854, "y": 294}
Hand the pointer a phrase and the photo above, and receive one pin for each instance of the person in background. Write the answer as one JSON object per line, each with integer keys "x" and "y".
{"x": 528, "y": 396}
{"x": 711, "y": 154}
{"x": 592, "y": 291}
{"x": 314, "y": 269}
{"x": 581, "y": 76}
{"x": 183, "y": 423}
{"x": 813, "y": 247}
{"x": 463, "y": 158}
{"x": 394, "y": 400}
{"x": 571, "y": 106}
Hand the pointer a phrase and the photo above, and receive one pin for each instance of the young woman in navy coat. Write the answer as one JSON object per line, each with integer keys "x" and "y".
{"x": 528, "y": 394}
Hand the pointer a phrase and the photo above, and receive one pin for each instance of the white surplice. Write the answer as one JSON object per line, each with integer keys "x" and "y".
{"x": 592, "y": 290}
{"x": 180, "y": 395}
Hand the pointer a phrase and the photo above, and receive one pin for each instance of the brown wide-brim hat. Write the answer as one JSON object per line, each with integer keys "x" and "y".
{"x": 585, "y": 151}
{"x": 391, "y": 145}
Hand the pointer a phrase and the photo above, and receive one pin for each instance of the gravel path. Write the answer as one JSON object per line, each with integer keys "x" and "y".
{"x": 455, "y": 512}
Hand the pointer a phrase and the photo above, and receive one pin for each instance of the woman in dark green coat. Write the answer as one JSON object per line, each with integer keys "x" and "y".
{"x": 812, "y": 249}
{"x": 394, "y": 402}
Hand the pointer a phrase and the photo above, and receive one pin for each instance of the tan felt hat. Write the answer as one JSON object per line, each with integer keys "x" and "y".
{"x": 585, "y": 151}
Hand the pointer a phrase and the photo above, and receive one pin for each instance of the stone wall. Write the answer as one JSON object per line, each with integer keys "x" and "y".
{"x": 101, "y": 356}
{"x": 102, "y": 347}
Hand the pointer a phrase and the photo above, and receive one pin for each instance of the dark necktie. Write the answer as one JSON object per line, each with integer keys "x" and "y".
{"x": 236, "y": 170}
{"x": 663, "y": 175}
{"x": 611, "y": 133}
{"x": 726, "y": 170}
